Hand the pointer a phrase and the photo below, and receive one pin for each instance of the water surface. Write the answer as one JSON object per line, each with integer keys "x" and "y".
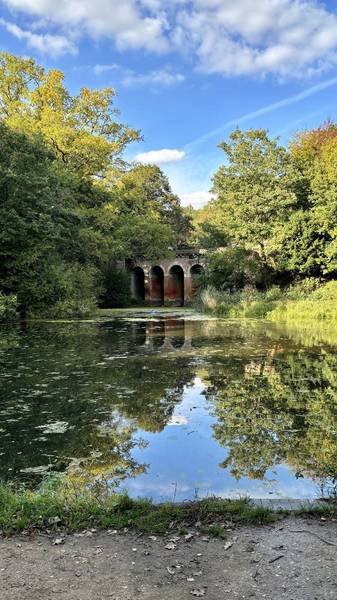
{"x": 171, "y": 405}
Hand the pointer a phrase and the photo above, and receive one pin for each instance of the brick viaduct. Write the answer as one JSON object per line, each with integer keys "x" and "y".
{"x": 169, "y": 282}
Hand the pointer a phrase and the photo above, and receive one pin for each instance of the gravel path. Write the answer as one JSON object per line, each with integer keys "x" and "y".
{"x": 294, "y": 559}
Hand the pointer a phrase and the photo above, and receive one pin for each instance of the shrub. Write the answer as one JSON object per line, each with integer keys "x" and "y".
{"x": 319, "y": 304}
{"x": 303, "y": 289}
{"x": 115, "y": 287}
{"x": 325, "y": 292}
{"x": 210, "y": 299}
{"x": 65, "y": 291}
{"x": 72, "y": 307}
{"x": 233, "y": 268}
{"x": 8, "y": 308}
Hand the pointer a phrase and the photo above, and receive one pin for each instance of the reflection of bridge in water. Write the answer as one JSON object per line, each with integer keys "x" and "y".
{"x": 164, "y": 335}
{"x": 167, "y": 282}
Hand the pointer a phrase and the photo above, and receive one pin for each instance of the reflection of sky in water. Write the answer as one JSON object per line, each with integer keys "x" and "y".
{"x": 184, "y": 461}
{"x": 84, "y": 394}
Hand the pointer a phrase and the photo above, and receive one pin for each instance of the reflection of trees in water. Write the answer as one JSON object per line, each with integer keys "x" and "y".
{"x": 278, "y": 410}
{"x": 77, "y": 379}
{"x": 108, "y": 456}
{"x": 102, "y": 383}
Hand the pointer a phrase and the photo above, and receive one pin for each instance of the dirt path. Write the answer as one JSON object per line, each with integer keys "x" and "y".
{"x": 271, "y": 562}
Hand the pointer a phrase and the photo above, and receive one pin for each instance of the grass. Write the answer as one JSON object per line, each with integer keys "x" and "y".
{"x": 307, "y": 300}
{"x": 325, "y": 510}
{"x": 58, "y": 504}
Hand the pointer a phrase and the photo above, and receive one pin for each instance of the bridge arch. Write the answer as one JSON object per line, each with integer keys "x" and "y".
{"x": 175, "y": 286}
{"x": 157, "y": 286}
{"x": 138, "y": 284}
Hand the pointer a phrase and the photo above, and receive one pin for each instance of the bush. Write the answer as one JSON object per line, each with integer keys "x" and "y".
{"x": 8, "y": 308}
{"x": 305, "y": 300}
{"x": 63, "y": 291}
{"x": 303, "y": 289}
{"x": 319, "y": 304}
{"x": 209, "y": 299}
{"x": 325, "y": 292}
{"x": 115, "y": 287}
{"x": 233, "y": 268}
{"x": 247, "y": 303}
{"x": 72, "y": 307}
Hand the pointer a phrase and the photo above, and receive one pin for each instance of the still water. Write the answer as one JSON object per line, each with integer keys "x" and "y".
{"x": 171, "y": 406}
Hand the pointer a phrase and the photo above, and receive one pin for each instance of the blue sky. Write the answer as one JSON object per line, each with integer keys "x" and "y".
{"x": 188, "y": 71}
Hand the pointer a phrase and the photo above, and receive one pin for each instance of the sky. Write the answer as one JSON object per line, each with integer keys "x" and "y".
{"x": 187, "y": 72}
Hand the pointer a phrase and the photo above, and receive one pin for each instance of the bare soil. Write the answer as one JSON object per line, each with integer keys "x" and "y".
{"x": 293, "y": 559}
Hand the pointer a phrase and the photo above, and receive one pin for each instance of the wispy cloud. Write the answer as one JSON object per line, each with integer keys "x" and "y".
{"x": 100, "y": 69}
{"x": 163, "y": 77}
{"x": 311, "y": 91}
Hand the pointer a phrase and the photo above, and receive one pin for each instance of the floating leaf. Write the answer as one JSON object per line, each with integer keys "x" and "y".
{"x": 199, "y": 592}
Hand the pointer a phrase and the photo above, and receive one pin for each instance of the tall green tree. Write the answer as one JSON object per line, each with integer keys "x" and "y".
{"x": 144, "y": 191}
{"x": 255, "y": 192}
{"x": 38, "y": 218}
{"x": 310, "y": 243}
{"x": 71, "y": 204}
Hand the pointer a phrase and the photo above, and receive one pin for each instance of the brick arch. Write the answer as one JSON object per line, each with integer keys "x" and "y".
{"x": 175, "y": 288}
{"x": 138, "y": 284}
{"x": 186, "y": 260}
{"x": 156, "y": 280}
{"x": 196, "y": 269}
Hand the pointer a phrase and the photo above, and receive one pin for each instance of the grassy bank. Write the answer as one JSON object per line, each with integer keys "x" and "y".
{"x": 306, "y": 300}
{"x": 57, "y": 504}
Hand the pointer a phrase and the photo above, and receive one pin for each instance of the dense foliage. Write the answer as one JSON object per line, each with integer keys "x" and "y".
{"x": 71, "y": 207}
{"x": 274, "y": 210}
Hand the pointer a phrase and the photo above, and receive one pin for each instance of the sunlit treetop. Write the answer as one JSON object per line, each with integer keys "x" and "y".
{"x": 83, "y": 130}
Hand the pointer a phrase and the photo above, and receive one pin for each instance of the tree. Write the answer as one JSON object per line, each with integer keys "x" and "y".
{"x": 82, "y": 130}
{"x": 144, "y": 191}
{"x": 310, "y": 243}
{"x": 40, "y": 225}
{"x": 255, "y": 192}
{"x": 324, "y": 202}
{"x": 207, "y": 227}
{"x": 32, "y": 204}
{"x": 71, "y": 205}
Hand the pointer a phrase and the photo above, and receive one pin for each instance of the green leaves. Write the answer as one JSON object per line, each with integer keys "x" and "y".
{"x": 255, "y": 191}
{"x": 69, "y": 203}
{"x": 82, "y": 130}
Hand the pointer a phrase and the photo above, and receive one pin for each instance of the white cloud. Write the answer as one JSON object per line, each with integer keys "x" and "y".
{"x": 160, "y": 156}
{"x": 122, "y": 21}
{"x": 54, "y": 45}
{"x": 286, "y": 38}
{"x": 196, "y": 199}
{"x": 162, "y": 77}
{"x": 100, "y": 69}
{"x": 292, "y": 38}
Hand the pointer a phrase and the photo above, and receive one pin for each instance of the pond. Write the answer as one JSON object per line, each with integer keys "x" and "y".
{"x": 171, "y": 405}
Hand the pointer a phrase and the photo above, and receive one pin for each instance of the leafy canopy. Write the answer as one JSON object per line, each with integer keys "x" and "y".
{"x": 255, "y": 191}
